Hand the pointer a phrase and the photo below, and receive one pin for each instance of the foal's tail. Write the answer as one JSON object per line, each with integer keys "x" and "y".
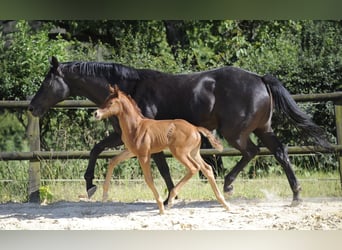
{"x": 284, "y": 102}
{"x": 212, "y": 139}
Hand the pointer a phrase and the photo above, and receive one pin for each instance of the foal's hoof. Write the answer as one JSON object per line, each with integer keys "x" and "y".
{"x": 91, "y": 191}
{"x": 170, "y": 203}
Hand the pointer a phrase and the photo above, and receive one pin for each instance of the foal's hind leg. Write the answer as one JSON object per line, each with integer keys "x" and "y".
{"x": 192, "y": 166}
{"x": 279, "y": 151}
{"x": 112, "y": 164}
{"x": 208, "y": 172}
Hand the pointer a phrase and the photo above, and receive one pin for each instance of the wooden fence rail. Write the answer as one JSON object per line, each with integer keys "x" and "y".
{"x": 83, "y": 154}
{"x": 321, "y": 97}
{"x": 35, "y": 155}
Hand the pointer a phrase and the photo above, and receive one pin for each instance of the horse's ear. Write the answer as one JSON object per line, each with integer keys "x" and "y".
{"x": 55, "y": 66}
{"x": 54, "y": 62}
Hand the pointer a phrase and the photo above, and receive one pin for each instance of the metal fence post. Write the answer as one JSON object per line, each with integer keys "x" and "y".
{"x": 338, "y": 117}
{"x": 33, "y": 135}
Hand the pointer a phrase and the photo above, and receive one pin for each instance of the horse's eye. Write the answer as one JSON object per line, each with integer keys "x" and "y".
{"x": 48, "y": 83}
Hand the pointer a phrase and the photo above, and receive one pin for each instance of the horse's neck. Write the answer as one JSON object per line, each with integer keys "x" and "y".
{"x": 95, "y": 89}
{"x": 90, "y": 89}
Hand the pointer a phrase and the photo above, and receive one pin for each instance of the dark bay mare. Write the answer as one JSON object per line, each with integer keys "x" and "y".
{"x": 233, "y": 101}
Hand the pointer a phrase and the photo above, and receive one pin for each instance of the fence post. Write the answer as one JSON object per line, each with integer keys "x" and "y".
{"x": 33, "y": 136}
{"x": 338, "y": 117}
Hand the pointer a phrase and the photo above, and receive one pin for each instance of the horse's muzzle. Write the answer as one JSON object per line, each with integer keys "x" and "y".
{"x": 30, "y": 108}
{"x": 35, "y": 111}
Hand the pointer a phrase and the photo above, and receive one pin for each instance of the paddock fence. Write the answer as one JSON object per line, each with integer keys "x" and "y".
{"x": 35, "y": 155}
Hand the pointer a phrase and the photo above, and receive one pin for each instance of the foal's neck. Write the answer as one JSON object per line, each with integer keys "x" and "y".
{"x": 129, "y": 117}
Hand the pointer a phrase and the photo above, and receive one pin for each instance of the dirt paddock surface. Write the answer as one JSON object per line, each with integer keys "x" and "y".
{"x": 311, "y": 214}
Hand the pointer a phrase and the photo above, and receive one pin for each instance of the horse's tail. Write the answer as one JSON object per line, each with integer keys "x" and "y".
{"x": 212, "y": 139}
{"x": 284, "y": 102}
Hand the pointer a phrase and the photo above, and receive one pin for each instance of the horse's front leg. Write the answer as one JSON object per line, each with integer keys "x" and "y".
{"x": 110, "y": 141}
{"x": 164, "y": 171}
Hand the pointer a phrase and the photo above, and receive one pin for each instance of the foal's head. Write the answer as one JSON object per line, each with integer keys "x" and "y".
{"x": 112, "y": 105}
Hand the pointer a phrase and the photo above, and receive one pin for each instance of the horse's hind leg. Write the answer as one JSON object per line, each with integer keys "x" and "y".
{"x": 146, "y": 168}
{"x": 280, "y": 152}
{"x": 248, "y": 150}
{"x": 208, "y": 172}
{"x": 112, "y": 164}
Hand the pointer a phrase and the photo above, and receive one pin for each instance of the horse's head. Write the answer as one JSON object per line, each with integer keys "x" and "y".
{"x": 53, "y": 90}
{"x": 112, "y": 105}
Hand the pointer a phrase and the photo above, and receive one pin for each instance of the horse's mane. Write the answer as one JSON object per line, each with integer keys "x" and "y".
{"x": 107, "y": 70}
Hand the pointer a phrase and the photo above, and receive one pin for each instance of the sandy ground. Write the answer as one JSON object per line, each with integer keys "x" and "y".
{"x": 312, "y": 214}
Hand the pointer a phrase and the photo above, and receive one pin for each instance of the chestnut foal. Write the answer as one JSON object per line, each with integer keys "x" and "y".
{"x": 143, "y": 137}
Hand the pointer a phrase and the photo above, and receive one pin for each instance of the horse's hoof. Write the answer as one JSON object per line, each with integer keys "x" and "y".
{"x": 228, "y": 190}
{"x": 296, "y": 202}
{"x": 91, "y": 191}
{"x": 166, "y": 202}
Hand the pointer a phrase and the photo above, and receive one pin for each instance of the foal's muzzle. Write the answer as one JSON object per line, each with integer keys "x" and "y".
{"x": 97, "y": 115}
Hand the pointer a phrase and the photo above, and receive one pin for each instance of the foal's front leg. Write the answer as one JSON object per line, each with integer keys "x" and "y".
{"x": 146, "y": 168}
{"x": 112, "y": 164}
{"x": 110, "y": 141}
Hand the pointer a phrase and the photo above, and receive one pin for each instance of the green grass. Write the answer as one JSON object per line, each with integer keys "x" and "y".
{"x": 195, "y": 189}
{"x": 14, "y": 175}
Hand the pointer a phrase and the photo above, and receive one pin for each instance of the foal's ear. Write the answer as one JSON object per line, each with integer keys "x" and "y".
{"x": 113, "y": 90}
{"x": 116, "y": 88}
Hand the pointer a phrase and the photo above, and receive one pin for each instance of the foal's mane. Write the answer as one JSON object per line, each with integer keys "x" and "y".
{"x": 134, "y": 104}
{"x": 117, "y": 93}
{"x": 106, "y": 69}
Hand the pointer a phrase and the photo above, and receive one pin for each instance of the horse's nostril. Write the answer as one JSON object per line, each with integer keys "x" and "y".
{"x": 30, "y": 108}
